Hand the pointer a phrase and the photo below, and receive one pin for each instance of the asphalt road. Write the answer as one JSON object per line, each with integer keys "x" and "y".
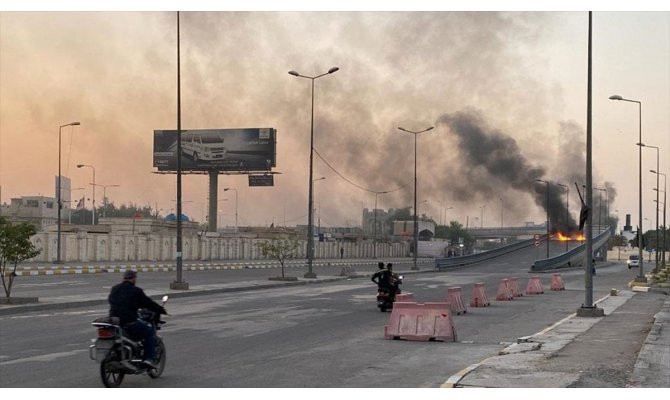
{"x": 326, "y": 335}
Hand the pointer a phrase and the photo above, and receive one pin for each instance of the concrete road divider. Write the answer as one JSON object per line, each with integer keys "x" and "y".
{"x": 534, "y": 286}
{"x": 479, "y": 298}
{"x": 557, "y": 282}
{"x": 455, "y": 298}
{"x": 421, "y": 322}
{"x": 504, "y": 292}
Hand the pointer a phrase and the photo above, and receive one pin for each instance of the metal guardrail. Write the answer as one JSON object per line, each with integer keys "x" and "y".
{"x": 574, "y": 257}
{"x": 443, "y": 263}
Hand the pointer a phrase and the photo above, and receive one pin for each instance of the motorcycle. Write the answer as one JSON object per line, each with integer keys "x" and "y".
{"x": 384, "y": 299}
{"x": 119, "y": 355}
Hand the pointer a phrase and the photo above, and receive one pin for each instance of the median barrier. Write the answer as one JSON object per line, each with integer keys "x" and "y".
{"x": 421, "y": 322}
{"x": 478, "y": 298}
{"x": 557, "y": 282}
{"x": 504, "y": 293}
{"x": 455, "y": 298}
{"x": 514, "y": 287}
{"x": 534, "y": 286}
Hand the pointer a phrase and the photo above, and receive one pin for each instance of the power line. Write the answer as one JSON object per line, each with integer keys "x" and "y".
{"x": 357, "y": 185}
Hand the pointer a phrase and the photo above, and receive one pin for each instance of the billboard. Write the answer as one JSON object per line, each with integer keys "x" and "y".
{"x": 261, "y": 180}
{"x": 247, "y": 149}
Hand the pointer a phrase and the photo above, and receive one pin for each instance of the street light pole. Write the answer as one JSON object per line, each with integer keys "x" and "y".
{"x": 58, "y": 195}
{"x": 92, "y": 184}
{"x": 640, "y": 277}
{"x": 665, "y": 228}
{"x": 547, "y": 209}
{"x": 225, "y": 190}
{"x": 481, "y": 216}
{"x": 104, "y": 198}
{"x": 657, "y": 199}
{"x": 501, "y": 213}
{"x": 416, "y": 223}
{"x": 310, "y": 239}
{"x": 567, "y": 215}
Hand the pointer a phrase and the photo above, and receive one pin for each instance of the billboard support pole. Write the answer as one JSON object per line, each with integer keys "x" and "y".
{"x": 213, "y": 200}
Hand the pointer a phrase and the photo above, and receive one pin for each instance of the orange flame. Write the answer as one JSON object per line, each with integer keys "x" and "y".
{"x": 560, "y": 236}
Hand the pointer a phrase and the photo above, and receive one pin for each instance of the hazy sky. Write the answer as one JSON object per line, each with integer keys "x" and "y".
{"x": 522, "y": 76}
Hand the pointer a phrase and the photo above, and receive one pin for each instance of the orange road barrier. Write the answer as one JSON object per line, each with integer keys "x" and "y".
{"x": 455, "y": 298}
{"x": 534, "y": 286}
{"x": 405, "y": 297}
{"x": 504, "y": 292}
{"x": 421, "y": 322}
{"x": 479, "y": 298}
{"x": 514, "y": 287}
{"x": 557, "y": 282}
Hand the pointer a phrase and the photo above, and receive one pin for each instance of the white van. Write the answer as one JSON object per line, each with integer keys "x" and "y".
{"x": 206, "y": 147}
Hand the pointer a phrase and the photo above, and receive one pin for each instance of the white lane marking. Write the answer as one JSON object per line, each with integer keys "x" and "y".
{"x": 43, "y": 357}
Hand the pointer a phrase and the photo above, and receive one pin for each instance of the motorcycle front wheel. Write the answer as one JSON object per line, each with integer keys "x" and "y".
{"x": 110, "y": 370}
{"x": 162, "y": 358}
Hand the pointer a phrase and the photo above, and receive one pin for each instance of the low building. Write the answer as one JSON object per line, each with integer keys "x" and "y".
{"x": 39, "y": 211}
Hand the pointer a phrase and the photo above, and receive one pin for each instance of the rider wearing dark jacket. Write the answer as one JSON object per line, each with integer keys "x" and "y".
{"x": 377, "y": 276}
{"x": 124, "y": 300}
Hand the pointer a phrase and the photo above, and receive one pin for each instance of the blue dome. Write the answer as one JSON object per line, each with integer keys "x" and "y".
{"x": 173, "y": 217}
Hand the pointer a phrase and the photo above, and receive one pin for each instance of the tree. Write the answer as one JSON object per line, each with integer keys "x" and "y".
{"x": 15, "y": 247}
{"x": 280, "y": 250}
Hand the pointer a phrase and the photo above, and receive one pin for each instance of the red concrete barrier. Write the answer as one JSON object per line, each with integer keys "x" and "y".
{"x": 479, "y": 298}
{"x": 504, "y": 293}
{"x": 514, "y": 287}
{"x": 405, "y": 297}
{"x": 421, "y": 322}
{"x": 455, "y": 298}
{"x": 557, "y": 282}
{"x": 534, "y": 286}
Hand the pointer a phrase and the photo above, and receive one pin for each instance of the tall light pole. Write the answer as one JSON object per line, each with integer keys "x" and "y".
{"x": 501, "y": 213}
{"x": 446, "y": 221}
{"x": 547, "y": 209}
{"x": 640, "y": 277}
{"x": 104, "y": 198}
{"x": 665, "y": 227}
{"x": 217, "y": 219}
{"x": 600, "y": 207}
{"x": 92, "y": 184}
{"x": 416, "y": 222}
{"x": 567, "y": 214}
{"x": 225, "y": 190}
{"x": 657, "y": 199}
{"x": 60, "y": 178}
{"x": 481, "y": 216}
{"x": 374, "y": 238}
{"x": 310, "y": 229}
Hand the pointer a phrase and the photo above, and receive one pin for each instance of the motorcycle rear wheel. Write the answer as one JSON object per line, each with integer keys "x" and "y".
{"x": 110, "y": 376}
{"x": 162, "y": 358}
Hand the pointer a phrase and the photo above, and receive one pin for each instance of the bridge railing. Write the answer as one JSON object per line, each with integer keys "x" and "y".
{"x": 572, "y": 258}
{"x": 450, "y": 262}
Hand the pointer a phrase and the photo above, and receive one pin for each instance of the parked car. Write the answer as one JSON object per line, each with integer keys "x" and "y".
{"x": 633, "y": 261}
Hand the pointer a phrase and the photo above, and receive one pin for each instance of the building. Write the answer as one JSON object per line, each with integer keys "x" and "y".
{"x": 39, "y": 211}
{"x": 383, "y": 219}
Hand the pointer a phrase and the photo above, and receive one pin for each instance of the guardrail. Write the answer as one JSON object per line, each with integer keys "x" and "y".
{"x": 444, "y": 263}
{"x": 574, "y": 257}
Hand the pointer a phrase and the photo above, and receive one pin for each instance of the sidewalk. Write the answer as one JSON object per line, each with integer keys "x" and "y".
{"x": 615, "y": 351}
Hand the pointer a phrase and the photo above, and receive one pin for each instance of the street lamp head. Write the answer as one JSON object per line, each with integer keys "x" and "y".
{"x": 432, "y": 127}
{"x": 330, "y": 71}
{"x": 80, "y": 165}
{"x": 75, "y": 123}
{"x": 616, "y": 97}
{"x": 294, "y": 73}
{"x": 653, "y": 171}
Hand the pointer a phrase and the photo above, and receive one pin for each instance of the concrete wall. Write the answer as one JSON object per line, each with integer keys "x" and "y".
{"x": 102, "y": 247}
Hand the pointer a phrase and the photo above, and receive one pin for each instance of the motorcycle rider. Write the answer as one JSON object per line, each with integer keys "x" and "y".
{"x": 124, "y": 300}
{"x": 391, "y": 281}
{"x": 377, "y": 276}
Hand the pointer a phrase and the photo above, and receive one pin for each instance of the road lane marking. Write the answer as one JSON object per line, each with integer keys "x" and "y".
{"x": 43, "y": 357}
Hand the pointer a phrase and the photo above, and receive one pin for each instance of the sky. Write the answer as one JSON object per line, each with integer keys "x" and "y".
{"x": 506, "y": 93}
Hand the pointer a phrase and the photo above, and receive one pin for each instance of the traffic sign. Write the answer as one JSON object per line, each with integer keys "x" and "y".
{"x": 536, "y": 237}
{"x": 537, "y": 243}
